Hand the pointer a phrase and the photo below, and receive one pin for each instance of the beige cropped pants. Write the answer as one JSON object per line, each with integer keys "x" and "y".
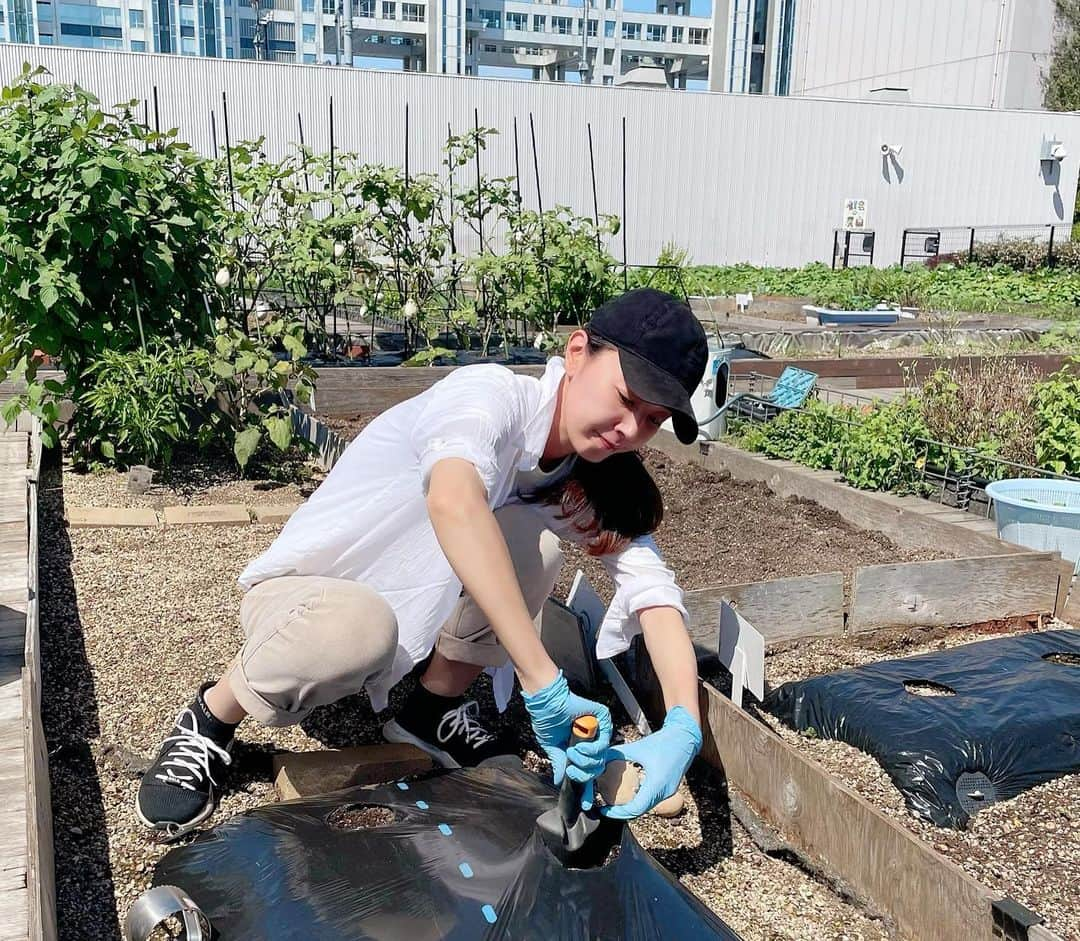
{"x": 312, "y": 640}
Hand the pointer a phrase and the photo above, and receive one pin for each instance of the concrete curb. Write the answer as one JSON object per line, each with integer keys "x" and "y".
{"x": 224, "y": 514}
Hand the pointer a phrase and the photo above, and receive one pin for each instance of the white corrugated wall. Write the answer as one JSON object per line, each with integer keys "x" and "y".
{"x": 731, "y": 178}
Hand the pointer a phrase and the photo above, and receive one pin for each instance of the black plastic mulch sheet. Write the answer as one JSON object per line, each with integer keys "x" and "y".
{"x": 1013, "y": 721}
{"x": 461, "y": 861}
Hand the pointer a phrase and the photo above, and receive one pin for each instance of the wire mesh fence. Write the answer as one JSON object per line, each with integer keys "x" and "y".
{"x": 1027, "y": 246}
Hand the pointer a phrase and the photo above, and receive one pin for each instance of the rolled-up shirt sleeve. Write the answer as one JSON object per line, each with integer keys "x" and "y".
{"x": 642, "y": 580}
{"x": 472, "y": 416}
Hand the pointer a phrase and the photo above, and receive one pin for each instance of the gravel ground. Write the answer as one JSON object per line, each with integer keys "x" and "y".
{"x": 129, "y": 634}
{"x": 1008, "y": 845}
{"x": 195, "y": 478}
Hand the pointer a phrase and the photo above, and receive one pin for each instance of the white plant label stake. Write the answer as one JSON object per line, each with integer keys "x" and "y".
{"x": 742, "y": 652}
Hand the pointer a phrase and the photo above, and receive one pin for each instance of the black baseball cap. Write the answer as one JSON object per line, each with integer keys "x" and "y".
{"x": 662, "y": 351}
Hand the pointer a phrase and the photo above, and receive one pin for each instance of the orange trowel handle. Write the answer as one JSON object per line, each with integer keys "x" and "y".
{"x": 584, "y": 729}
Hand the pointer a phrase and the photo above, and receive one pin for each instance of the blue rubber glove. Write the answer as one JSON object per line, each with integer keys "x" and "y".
{"x": 552, "y": 711}
{"x": 664, "y": 757}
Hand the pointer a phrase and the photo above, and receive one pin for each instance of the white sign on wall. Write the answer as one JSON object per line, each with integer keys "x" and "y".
{"x": 855, "y": 213}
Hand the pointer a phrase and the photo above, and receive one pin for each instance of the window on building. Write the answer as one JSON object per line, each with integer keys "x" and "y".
{"x": 654, "y": 33}
{"x": 609, "y": 29}
{"x": 412, "y": 12}
{"x": 662, "y": 8}
{"x": 138, "y": 45}
{"x": 699, "y": 36}
{"x": 608, "y": 80}
{"x": 592, "y": 27}
{"x": 492, "y": 19}
{"x": 561, "y": 25}
{"x": 309, "y": 32}
{"x": 676, "y": 33}
{"x": 609, "y": 56}
{"x": 631, "y": 30}
{"x": 308, "y": 6}
{"x": 329, "y": 7}
{"x": 389, "y": 10}
{"x": 517, "y": 20}
{"x": 680, "y": 9}
{"x": 309, "y": 58}
{"x": 135, "y": 17}
{"x": 366, "y": 8}
{"x": 188, "y": 47}
{"x": 539, "y": 24}
{"x": 609, "y": 4}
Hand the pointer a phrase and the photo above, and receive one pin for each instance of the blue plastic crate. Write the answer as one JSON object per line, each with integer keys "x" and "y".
{"x": 1039, "y": 514}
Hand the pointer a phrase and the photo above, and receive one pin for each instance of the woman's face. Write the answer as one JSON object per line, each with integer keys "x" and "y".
{"x": 600, "y": 413}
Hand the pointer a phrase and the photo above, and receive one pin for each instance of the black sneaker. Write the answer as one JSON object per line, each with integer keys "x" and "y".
{"x": 448, "y": 729}
{"x": 177, "y": 791}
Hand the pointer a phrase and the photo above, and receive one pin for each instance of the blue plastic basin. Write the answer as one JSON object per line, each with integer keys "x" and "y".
{"x": 1039, "y": 514}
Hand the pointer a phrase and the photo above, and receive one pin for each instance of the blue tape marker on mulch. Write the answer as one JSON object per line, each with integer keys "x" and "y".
{"x": 444, "y": 829}
{"x": 402, "y": 786}
{"x": 466, "y": 870}
{"x": 423, "y": 805}
{"x": 489, "y": 914}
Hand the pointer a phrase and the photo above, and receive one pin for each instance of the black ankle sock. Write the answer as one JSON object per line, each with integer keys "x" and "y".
{"x": 428, "y": 705}
{"x": 209, "y": 724}
{"x": 434, "y": 701}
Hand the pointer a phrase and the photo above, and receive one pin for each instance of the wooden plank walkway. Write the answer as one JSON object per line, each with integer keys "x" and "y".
{"x": 15, "y": 805}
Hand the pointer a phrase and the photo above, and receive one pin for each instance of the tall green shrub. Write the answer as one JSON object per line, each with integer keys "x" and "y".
{"x": 108, "y": 234}
{"x": 1057, "y": 409}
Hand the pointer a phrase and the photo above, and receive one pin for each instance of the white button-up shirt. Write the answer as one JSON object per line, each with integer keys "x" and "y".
{"x": 368, "y": 521}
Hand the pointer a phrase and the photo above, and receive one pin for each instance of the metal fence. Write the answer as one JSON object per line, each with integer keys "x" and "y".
{"x": 1040, "y": 244}
{"x": 853, "y": 248}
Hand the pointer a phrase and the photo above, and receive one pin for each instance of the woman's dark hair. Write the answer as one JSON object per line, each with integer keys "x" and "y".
{"x": 609, "y": 502}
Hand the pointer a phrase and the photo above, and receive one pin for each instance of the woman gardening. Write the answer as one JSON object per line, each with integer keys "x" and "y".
{"x": 436, "y": 538}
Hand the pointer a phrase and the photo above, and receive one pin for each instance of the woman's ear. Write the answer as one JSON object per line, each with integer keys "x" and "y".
{"x": 577, "y": 351}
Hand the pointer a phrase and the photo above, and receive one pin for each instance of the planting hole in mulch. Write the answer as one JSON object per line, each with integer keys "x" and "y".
{"x": 1065, "y": 657}
{"x": 928, "y": 688}
{"x": 361, "y": 817}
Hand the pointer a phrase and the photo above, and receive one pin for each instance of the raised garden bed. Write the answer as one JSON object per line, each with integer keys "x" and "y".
{"x": 1027, "y": 848}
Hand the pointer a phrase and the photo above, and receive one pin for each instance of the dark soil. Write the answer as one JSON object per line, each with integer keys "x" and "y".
{"x": 720, "y": 531}
{"x": 361, "y": 817}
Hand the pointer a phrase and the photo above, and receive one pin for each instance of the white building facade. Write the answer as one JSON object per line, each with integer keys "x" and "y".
{"x": 981, "y": 53}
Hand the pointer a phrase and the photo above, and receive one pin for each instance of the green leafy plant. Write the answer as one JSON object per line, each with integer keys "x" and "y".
{"x": 1057, "y": 408}
{"x": 135, "y": 406}
{"x": 669, "y": 272}
{"x": 880, "y": 451}
{"x": 108, "y": 236}
{"x": 1051, "y": 292}
{"x": 247, "y": 382}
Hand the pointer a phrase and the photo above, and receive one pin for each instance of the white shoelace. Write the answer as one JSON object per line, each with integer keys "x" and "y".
{"x": 464, "y": 721}
{"x": 191, "y": 754}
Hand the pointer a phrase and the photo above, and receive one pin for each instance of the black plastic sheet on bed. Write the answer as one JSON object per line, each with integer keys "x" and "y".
{"x": 959, "y": 729}
{"x": 460, "y": 861}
